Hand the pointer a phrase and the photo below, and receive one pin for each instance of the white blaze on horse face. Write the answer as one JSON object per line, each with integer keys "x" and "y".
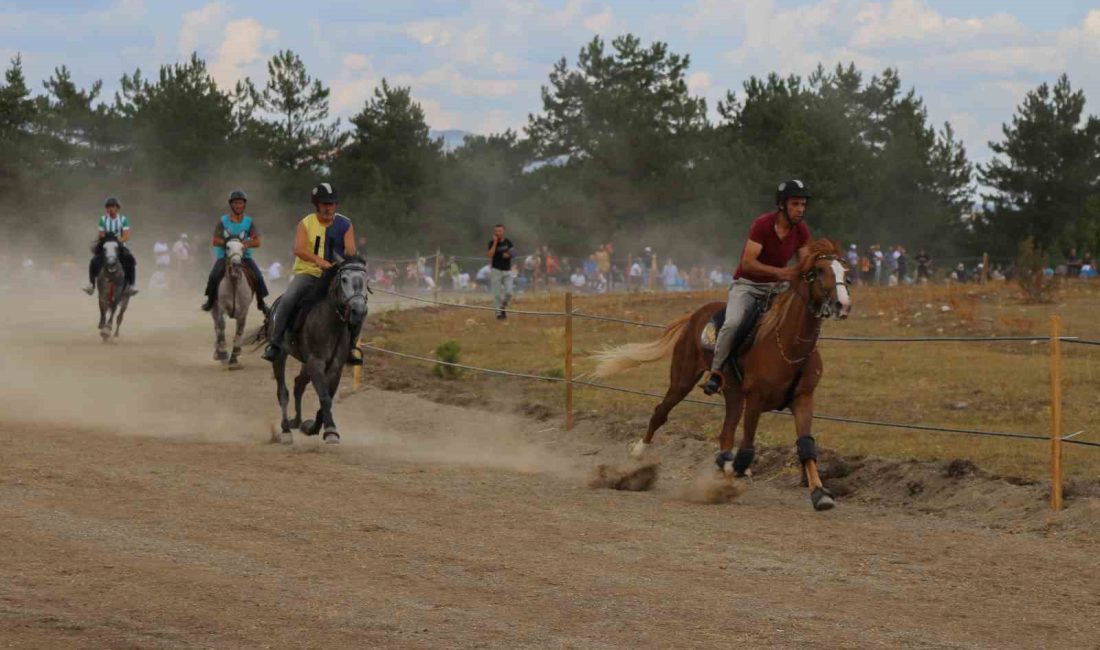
{"x": 234, "y": 249}
{"x": 841, "y": 289}
{"x": 110, "y": 251}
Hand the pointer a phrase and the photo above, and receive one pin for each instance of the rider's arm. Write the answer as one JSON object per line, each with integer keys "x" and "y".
{"x": 125, "y": 235}
{"x": 218, "y": 241}
{"x": 349, "y": 241}
{"x": 304, "y": 252}
{"x": 493, "y": 247}
{"x": 750, "y": 262}
{"x": 253, "y": 240}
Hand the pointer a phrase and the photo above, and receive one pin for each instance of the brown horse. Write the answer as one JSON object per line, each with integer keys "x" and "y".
{"x": 781, "y": 367}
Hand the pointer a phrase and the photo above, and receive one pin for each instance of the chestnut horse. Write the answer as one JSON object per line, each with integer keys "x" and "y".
{"x": 781, "y": 367}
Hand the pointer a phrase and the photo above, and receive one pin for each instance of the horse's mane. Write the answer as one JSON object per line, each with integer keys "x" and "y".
{"x": 321, "y": 291}
{"x": 770, "y": 318}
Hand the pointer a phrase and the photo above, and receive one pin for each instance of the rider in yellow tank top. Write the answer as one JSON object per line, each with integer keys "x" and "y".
{"x": 317, "y": 246}
{"x": 323, "y": 240}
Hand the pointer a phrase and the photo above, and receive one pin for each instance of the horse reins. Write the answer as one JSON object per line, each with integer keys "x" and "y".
{"x": 808, "y": 277}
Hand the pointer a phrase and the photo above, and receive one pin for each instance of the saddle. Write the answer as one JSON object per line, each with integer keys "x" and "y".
{"x": 742, "y": 339}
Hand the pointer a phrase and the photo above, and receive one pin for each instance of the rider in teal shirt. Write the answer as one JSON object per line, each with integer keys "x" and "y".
{"x": 237, "y": 225}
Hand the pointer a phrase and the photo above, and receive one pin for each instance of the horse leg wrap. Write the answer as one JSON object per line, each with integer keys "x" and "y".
{"x": 807, "y": 449}
{"x": 743, "y": 460}
{"x": 722, "y": 458}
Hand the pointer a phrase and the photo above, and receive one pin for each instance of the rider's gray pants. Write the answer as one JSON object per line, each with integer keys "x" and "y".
{"x": 742, "y": 294}
{"x": 300, "y": 285}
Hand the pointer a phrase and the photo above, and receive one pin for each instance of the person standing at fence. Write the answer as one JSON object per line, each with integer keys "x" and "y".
{"x": 501, "y": 252}
{"x": 774, "y": 238}
{"x": 853, "y": 263}
{"x": 924, "y": 266}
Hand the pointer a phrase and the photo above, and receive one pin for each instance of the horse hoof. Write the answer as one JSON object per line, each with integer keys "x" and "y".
{"x": 638, "y": 449}
{"x": 295, "y": 423}
{"x": 286, "y": 437}
{"x": 234, "y": 363}
{"x": 822, "y": 499}
{"x": 221, "y": 356}
{"x": 332, "y": 438}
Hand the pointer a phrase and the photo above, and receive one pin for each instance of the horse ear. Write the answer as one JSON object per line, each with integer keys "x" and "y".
{"x": 338, "y": 257}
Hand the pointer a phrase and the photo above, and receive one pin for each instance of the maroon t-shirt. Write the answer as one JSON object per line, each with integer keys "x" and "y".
{"x": 777, "y": 252}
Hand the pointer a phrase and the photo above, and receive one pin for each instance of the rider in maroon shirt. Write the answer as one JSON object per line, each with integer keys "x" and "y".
{"x": 774, "y": 238}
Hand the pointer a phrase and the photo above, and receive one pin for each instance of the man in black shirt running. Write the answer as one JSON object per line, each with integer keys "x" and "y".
{"x": 501, "y": 252}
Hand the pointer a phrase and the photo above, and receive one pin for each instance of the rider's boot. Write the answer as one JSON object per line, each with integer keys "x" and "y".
{"x": 88, "y": 289}
{"x": 355, "y": 356}
{"x": 260, "y": 304}
{"x": 272, "y": 352}
{"x": 131, "y": 290}
{"x": 714, "y": 383}
{"x": 209, "y": 304}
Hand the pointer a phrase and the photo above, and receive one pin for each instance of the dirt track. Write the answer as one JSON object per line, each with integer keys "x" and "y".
{"x": 141, "y": 505}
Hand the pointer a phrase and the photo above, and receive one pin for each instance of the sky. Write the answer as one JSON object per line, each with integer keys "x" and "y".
{"x": 479, "y": 65}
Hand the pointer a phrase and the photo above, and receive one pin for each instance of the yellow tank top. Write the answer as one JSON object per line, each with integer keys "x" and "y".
{"x": 315, "y": 234}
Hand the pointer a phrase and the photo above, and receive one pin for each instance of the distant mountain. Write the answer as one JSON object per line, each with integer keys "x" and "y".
{"x": 452, "y": 138}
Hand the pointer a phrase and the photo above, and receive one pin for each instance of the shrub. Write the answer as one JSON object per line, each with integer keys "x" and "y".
{"x": 448, "y": 352}
{"x": 1030, "y": 265}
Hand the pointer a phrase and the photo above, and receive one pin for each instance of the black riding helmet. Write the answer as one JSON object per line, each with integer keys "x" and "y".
{"x": 324, "y": 193}
{"x": 792, "y": 189}
{"x": 111, "y": 201}
{"x": 238, "y": 194}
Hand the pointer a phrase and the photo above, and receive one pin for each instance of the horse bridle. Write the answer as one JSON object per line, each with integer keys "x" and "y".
{"x": 343, "y": 311}
{"x": 820, "y": 312}
{"x": 812, "y": 276}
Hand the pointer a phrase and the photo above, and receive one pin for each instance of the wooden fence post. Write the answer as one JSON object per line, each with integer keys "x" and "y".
{"x": 435, "y": 277}
{"x": 653, "y": 271}
{"x": 1055, "y": 412}
{"x": 985, "y": 268}
{"x": 568, "y": 360}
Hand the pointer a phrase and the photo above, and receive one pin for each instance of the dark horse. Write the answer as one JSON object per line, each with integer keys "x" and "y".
{"x": 320, "y": 338}
{"x": 780, "y": 368}
{"x": 111, "y": 286}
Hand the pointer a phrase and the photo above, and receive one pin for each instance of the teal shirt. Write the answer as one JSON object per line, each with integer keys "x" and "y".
{"x": 227, "y": 228}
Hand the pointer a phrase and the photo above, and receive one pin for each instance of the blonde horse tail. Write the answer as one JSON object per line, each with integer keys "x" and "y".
{"x": 612, "y": 361}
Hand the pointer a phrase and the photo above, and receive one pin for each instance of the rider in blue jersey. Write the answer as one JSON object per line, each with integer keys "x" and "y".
{"x": 240, "y": 225}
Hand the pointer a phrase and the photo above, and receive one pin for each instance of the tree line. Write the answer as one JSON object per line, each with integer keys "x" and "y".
{"x": 620, "y": 150}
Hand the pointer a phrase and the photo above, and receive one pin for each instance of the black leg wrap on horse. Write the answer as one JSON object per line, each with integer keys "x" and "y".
{"x": 722, "y": 458}
{"x": 743, "y": 460}
{"x": 807, "y": 449}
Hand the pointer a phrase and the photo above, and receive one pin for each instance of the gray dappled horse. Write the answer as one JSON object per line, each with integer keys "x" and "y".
{"x": 111, "y": 286}
{"x": 234, "y": 299}
{"x": 320, "y": 337}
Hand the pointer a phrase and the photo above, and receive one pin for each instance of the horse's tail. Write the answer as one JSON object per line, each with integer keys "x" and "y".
{"x": 261, "y": 335}
{"x": 624, "y": 357}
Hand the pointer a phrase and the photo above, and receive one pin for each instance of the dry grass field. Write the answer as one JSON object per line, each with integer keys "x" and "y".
{"x": 998, "y": 386}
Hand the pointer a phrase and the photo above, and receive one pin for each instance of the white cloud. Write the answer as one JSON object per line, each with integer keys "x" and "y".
{"x": 353, "y": 87}
{"x": 436, "y": 116}
{"x": 600, "y": 22}
{"x": 355, "y": 62}
{"x": 242, "y": 45}
{"x": 200, "y": 27}
{"x": 913, "y": 21}
{"x": 448, "y": 77}
{"x": 429, "y": 32}
{"x": 567, "y": 15}
{"x": 699, "y": 82}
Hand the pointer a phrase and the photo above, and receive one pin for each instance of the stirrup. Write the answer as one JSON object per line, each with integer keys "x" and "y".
{"x": 709, "y": 387}
{"x": 271, "y": 353}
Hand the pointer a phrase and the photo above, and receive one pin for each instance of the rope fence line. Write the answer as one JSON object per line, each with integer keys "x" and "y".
{"x": 817, "y": 416}
{"x": 455, "y": 304}
{"x": 857, "y": 339}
